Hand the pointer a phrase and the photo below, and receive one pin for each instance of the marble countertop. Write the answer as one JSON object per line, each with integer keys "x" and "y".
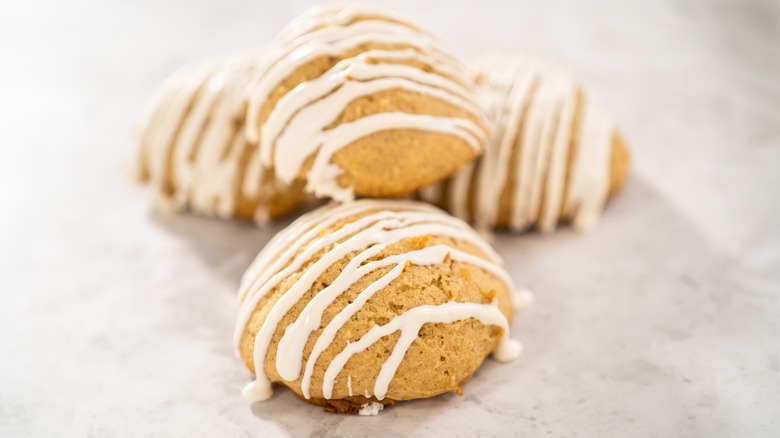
{"x": 116, "y": 321}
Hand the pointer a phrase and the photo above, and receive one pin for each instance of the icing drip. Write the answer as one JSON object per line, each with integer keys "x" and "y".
{"x": 508, "y": 350}
{"x": 193, "y": 145}
{"x": 374, "y": 226}
{"x": 257, "y": 390}
{"x": 522, "y": 299}
{"x": 407, "y": 225}
{"x": 533, "y": 106}
{"x": 297, "y": 127}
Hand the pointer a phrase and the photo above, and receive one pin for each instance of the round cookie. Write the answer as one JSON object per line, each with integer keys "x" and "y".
{"x": 555, "y": 155}
{"x": 193, "y": 149}
{"x": 360, "y": 305}
{"x": 356, "y": 101}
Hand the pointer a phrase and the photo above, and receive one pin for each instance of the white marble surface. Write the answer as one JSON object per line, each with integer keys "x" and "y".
{"x": 115, "y": 321}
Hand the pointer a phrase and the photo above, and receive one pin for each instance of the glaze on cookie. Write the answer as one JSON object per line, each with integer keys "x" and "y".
{"x": 555, "y": 154}
{"x": 193, "y": 150}
{"x": 356, "y": 101}
{"x": 372, "y": 302}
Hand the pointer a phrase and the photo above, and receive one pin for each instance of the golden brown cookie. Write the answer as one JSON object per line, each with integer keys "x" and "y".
{"x": 365, "y": 304}
{"x": 356, "y": 101}
{"x": 192, "y": 147}
{"x": 555, "y": 154}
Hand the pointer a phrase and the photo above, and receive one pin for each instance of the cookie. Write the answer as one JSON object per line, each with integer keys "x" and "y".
{"x": 358, "y": 102}
{"x": 555, "y": 155}
{"x": 193, "y": 151}
{"x": 361, "y": 305}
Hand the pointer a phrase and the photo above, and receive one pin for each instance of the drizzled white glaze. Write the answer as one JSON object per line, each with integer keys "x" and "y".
{"x": 290, "y": 350}
{"x": 590, "y": 176}
{"x": 321, "y": 16}
{"x": 297, "y": 127}
{"x": 533, "y": 106}
{"x": 378, "y": 225}
{"x": 193, "y": 144}
{"x": 409, "y": 324}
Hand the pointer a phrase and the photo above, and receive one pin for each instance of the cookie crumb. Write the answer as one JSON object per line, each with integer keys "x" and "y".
{"x": 371, "y": 409}
{"x": 489, "y": 294}
{"x": 420, "y": 242}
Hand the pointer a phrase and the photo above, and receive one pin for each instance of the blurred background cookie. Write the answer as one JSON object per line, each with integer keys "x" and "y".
{"x": 555, "y": 154}
{"x": 193, "y": 152}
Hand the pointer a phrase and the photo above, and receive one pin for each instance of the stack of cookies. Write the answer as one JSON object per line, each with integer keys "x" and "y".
{"x": 368, "y": 301}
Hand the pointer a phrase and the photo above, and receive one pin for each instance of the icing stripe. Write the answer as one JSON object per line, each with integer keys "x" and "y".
{"x": 589, "y": 183}
{"x": 409, "y": 324}
{"x": 369, "y": 236}
{"x": 358, "y": 234}
{"x": 288, "y": 357}
{"x": 336, "y": 15}
{"x": 322, "y": 178}
{"x": 303, "y": 230}
{"x": 162, "y": 134}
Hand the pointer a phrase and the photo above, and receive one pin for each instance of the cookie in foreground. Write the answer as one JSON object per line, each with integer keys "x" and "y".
{"x": 357, "y": 101}
{"x": 555, "y": 154}
{"x": 365, "y": 304}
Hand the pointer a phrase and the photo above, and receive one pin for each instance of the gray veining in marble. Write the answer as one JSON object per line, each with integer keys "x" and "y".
{"x": 115, "y": 321}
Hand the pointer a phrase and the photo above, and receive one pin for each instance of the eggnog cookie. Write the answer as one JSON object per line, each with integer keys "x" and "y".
{"x": 193, "y": 149}
{"x": 555, "y": 154}
{"x": 356, "y": 101}
{"x": 361, "y": 305}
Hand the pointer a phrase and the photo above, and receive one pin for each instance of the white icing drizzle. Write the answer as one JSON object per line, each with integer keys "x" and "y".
{"x": 290, "y": 350}
{"x": 297, "y": 127}
{"x": 173, "y": 104}
{"x": 533, "y": 106}
{"x": 367, "y": 230}
{"x": 589, "y": 184}
{"x": 409, "y": 324}
{"x": 320, "y": 16}
{"x": 193, "y": 143}
{"x": 373, "y": 227}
